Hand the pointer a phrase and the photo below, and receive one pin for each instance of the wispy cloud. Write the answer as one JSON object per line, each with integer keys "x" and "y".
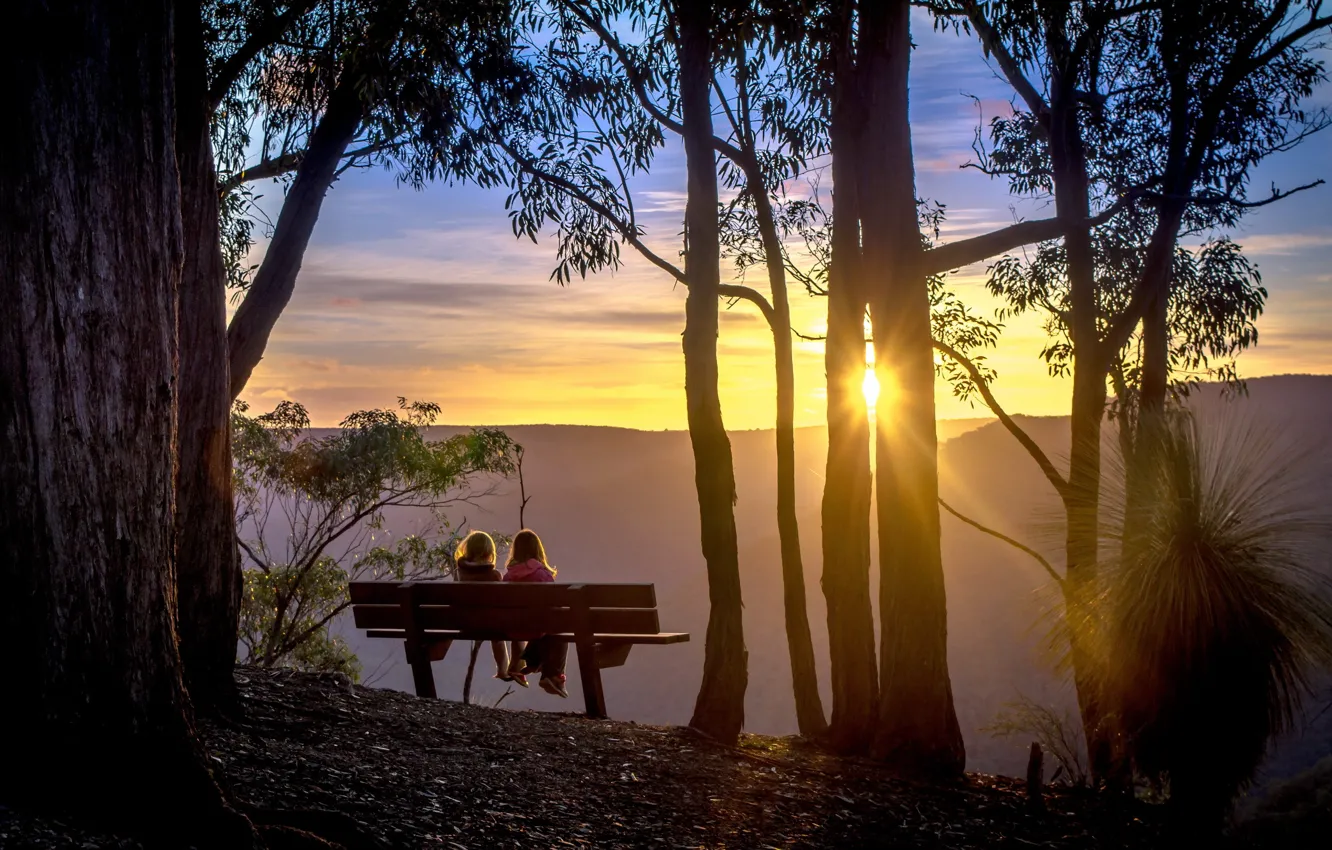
{"x": 1259, "y": 244}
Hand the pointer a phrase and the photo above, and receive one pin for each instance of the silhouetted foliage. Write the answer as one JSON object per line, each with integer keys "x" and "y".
{"x": 325, "y": 499}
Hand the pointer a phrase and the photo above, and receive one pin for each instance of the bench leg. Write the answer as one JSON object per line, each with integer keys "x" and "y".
{"x": 422, "y": 676}
{"x": 590, "y": 673}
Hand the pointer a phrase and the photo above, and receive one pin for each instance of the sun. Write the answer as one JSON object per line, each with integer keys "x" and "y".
{"x": 870, "y": 386}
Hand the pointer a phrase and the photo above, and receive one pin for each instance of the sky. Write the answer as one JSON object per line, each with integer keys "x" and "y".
{"x": 428, "y": 295}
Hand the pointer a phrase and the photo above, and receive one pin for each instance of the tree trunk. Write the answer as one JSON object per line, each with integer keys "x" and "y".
{"x": 810, "y": 719}
{"x": 91, "y": 260}
{"x": 1090, "y": 367}
{"x": 918, "y": 732}
{"x": 208, "y": 575}
{"x": 720, "y": 708}
{"x": 275, "y": 281}
{"x": 846, "y": 489}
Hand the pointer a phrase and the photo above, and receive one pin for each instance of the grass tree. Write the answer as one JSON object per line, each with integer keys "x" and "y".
{"x": 1210, "y": 626}
{"x": 311, "y": 514}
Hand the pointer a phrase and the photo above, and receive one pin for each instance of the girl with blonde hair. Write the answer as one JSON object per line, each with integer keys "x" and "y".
{"x": 475, "y": 560}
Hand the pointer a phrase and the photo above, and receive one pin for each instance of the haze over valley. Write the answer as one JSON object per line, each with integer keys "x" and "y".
{"x": 617, "y": 505}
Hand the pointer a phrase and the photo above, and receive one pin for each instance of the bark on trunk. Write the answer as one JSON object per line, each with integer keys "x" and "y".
{"x": 720, "y": 708}
{"x": 846, "y": 490}
{"x": 90, "y": 260}
{"x": 918, "y": 732}
{"x": 208, "y": 575}
{"x": 810, "y": 719}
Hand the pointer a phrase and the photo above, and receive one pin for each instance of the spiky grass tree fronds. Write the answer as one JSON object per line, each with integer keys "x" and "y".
{"x": 1216, "y": 610}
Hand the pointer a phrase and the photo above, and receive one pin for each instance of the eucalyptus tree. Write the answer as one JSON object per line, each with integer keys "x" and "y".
{"x": 1224, "y": 91}
{"x": 1102, "y": 126}
{"x": 765, "y": 142}
{"x": 348, "y": 84}
{"x": 325, "y": 85}
{"x": 609, "y": 101}
{"x": 1224, "y": 88}
{"x": 856, "y": 62}
{"x": 91, "y": 258}
{"x": 593, "y": 121}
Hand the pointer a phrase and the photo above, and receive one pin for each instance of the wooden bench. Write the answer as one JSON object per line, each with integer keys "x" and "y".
{"x": 602, "y": 621}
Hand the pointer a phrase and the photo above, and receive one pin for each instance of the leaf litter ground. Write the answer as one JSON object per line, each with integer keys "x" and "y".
{"x": 435, "y": 773}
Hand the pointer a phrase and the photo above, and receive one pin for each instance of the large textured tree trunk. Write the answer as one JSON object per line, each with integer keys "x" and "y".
{"x": 810, "y": 719}
{"x": 846, "y": 489}
{"x": 918, "y": 732}
{"x": 208, "y": 573}
{"x": 89, "y": 264}
{"x": 720, "y": 708}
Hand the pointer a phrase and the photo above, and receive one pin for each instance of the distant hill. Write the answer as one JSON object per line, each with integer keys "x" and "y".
{"x": 618, "y": 505}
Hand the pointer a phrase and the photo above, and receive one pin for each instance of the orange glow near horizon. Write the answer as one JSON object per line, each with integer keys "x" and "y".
{"x": 605, "y": 352}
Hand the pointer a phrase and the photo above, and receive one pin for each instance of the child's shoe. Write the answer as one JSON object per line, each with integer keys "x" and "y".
{"x": 516, "y": 676}
{"x": 554, "y": 685}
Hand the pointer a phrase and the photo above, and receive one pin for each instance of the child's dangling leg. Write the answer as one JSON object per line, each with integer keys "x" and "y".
{"x": 532, "y": 655}
{"x": 554, "y": 655}
{"x": 516, "y": 662}
{"x": 500, "y": 649}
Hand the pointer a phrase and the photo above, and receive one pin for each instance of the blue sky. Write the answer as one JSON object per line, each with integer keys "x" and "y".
{"x": 428, "y": 294}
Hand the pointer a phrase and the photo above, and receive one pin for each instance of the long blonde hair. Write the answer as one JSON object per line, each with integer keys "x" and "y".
{"x": 526, "y": 547}
{"x": 477, "y": 548}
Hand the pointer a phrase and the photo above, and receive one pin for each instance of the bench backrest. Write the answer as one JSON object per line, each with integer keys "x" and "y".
{"x": 500, "y": 608}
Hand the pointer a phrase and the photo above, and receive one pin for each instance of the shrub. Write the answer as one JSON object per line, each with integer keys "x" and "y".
{"x": 325, "y": 499}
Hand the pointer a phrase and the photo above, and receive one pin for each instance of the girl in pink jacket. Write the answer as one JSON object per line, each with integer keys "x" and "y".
{"x": 527, "y": 562}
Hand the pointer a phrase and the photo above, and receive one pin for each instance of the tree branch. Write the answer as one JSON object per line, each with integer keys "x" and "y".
{"x": 1212, "y": 199}
{"x": 268, "y": 168}
{"x": 262, "y": 38}
{"x": 956, "y": 255}
{"x": 265, "y": 169}
{"x": 745, "y": 293}
{"x": 628, "y": 233}
{"x": 1037, "y": 454}
{"x": 994, "y": 45}
{"x": 253, "y": 557}
{"x": 636, "y": 79}
{"x": 1010, "y": 541}
{"x": 1313, "y": 25}
{"x": 631, "y": 70}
